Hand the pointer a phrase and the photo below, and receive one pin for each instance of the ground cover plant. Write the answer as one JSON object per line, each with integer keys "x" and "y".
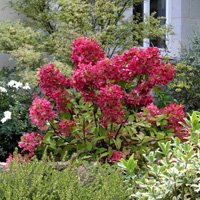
{"x": 105, "y": 110}
{"x": 38, "y": 180}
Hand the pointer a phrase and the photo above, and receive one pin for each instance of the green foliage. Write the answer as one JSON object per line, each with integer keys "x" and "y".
{"x": 39, "y": 180}
{"x": 17, "y": 101}
{"x": 90, "y": 141}
{"x": 57, "y": 23}
{"x": 184, "y": 87}
{"x": 162, "y": 96}
{"x": 15, "y": 35}
{"x": 193, "y": 123}
{"x": 171, "y": 171}
{"x": 24, "y": 44}
{"x": 129, "y": 166}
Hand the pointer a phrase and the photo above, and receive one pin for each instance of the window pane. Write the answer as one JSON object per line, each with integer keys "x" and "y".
{"x": 158, "y": 6}
{"x": 138, "y": 11}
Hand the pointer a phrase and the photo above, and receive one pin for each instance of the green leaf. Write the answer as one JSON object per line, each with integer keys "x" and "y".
{"x": 65, "y": 115}
{"x": 89, "y": 146}
{"x": 118, "y": 143}
{"x": 104, "y": 154}
{"x": 47, "y": 137}
{"x": 165, "y": 147}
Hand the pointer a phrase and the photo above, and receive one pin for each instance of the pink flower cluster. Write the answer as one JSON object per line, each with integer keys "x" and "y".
{"x": 110, "y": 101}
{"x": 86, "y": 51}
{"x": 140, "y": 95}
{"x": 146, "y": 67}
{"x": 41, "y": 111}
{"x": 174, "y": 114}
{"x": 8, "y": 161}
{"x": 29, "y": 142}
{"x": 138, "y": 69}
{"x": 65, "y": 127}
{"x": 53, "y": 84}
{"x": 84, "y": 81}
{"x": 116, "y": 156}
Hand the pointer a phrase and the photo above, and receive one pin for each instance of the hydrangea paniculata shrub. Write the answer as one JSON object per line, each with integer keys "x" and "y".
{"x": 100, "y": 109}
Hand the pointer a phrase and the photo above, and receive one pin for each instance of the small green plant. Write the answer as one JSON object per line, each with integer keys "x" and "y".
{"x": 129, "y": 166}
{"x": 193, "y": 124}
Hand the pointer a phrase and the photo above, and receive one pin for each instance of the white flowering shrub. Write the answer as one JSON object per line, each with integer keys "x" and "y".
{"x": 15, "y": 99}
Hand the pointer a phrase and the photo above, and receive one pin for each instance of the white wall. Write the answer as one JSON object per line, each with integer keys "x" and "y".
{"x": 190, "y": 18}
{"x": 184, "y": 15}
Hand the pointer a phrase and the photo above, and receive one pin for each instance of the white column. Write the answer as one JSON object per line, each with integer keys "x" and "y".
{"x": 146, "y": 13}
{"x": 168, "y": 22}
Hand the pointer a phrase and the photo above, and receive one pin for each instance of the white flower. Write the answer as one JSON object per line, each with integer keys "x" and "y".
{"x": 15, "y": 84}
{"x": 2, "y": 89}
{"x": 26, "y": 86}
{"x": 7, "y": 115}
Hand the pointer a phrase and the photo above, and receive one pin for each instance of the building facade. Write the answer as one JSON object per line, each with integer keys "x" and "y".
{"x": 183, "y": 15}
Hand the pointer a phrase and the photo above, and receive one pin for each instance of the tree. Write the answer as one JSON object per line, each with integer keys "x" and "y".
{"x": 51, "y": 25}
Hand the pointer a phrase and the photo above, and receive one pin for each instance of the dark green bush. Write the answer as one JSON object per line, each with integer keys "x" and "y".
{"x": 16, "y": 101}
{"x": 38, "y": 180}
{"x": 185, "y": 87}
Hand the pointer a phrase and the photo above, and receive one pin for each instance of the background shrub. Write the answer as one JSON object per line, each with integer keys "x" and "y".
{"x": 51, "y": 26}
{"x": 185, "y": 86}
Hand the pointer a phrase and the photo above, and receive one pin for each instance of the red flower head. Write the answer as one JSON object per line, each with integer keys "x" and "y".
{"x": 54, "y": 84}
{"x": 110, "y": 101}
{"x": 40, "y": 112}
{"x": 50, "y": 79}
{"x": 65, "y": 126}
{"x": 84, "y": 81}
{"x": 175, "y": 114}
{"x": 106, "y": 71}
{"x": 29, "y": 142}
{"x": 86, "y": 51}
{"x": 116, "y": 156}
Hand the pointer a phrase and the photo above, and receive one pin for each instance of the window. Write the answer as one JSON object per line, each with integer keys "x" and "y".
{"x": 158, "y": 6}
{"x": 149, "y": 7}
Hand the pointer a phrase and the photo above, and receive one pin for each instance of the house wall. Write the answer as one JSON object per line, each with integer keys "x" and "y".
{"x": 184, "y": 15}
{"x": 6, "y": 14}
{"x": 190, "y": 19}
